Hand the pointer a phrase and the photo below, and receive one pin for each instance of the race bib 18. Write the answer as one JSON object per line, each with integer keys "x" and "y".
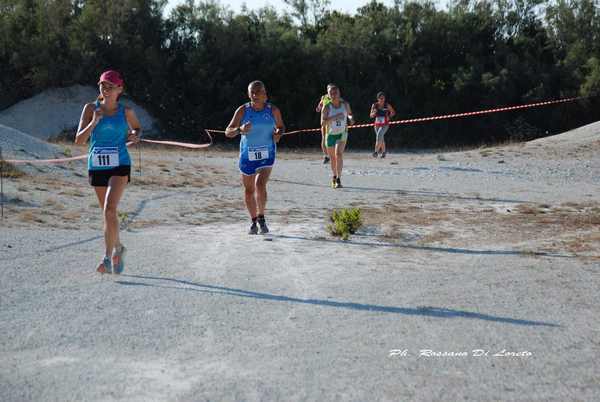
{"x": 258, "y": 154}
{"x": 105, "y": 157}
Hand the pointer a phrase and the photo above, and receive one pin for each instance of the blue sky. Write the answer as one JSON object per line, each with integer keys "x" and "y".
{"x": 343, "y": 5}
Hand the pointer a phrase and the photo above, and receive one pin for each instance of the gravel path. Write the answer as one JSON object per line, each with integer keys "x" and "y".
{"x": 205, "y": 312}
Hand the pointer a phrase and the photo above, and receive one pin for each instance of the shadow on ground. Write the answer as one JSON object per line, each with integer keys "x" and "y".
{"x": 424, "y": 311}
{"x": 451, "y": 250}
{"x": 431, "y": 194}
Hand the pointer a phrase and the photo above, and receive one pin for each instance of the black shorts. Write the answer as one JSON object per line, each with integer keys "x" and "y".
{"x": 100, "y": 178}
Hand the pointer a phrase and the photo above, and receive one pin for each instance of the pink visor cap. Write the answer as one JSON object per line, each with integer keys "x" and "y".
{"x": 111, "y": 76}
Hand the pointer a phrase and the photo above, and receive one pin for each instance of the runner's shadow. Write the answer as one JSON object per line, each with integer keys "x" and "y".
{"x": 424, "y": 311}
{"x": 132, "y": 216}
{"x": 54, "y": 248}
{"x": 450, "y": 250}
{"x": 433, "y": 194}
{"x": 142, "y": 204}
{"x": 74, "y": 243}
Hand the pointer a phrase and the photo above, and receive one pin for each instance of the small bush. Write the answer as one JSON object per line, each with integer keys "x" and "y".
{"x": 123, "y": 220}
{"x": 345, "y": 222}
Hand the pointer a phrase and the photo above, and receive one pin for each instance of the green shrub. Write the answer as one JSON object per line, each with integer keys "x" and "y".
{"x": 123, "y": 220}
{"x": 345, "y": 222}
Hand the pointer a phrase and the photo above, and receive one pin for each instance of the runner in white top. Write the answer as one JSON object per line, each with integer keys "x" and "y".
{"x": 334, "y": 116}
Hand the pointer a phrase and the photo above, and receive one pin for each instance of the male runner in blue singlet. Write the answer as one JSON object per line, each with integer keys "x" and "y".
{"x": 260, "y": 124}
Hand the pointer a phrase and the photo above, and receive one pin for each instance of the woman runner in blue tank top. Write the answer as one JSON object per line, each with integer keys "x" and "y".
{"x": 109, "y": 126}
{"x": 260, "y": 124}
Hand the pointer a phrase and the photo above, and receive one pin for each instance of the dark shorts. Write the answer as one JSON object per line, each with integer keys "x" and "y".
{"x": 100, "y": 178}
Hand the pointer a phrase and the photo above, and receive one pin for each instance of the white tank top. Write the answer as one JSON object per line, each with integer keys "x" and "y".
{"x": 337, "y": 126}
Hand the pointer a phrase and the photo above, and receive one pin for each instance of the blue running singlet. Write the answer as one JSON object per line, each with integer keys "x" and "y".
{"x": 257, "y": 147}
{"x": 108, "y": 142}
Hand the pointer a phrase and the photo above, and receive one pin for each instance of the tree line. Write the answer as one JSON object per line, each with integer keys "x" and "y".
{"x": 190, "y": 67}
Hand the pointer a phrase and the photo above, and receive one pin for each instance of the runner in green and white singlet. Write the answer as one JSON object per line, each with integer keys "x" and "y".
{"x": 334, "y": 117}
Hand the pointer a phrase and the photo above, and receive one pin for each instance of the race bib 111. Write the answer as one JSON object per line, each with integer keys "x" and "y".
{"x": 105, "y": 157}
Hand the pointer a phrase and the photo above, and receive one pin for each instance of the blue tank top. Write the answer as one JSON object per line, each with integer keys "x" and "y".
{"x": 108, "y": 142}
{"x": 263, "y": 126}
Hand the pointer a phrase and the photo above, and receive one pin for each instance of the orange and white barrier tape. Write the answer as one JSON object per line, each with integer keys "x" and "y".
{"x": 179, "y": 144}
{"x": 453, "y": 116}
{"x": 395, "y": 122}
{"x": 488, "y": 111}
{"x": 81, "y": 157}
{"x": 45, "y": 161}
{"x": 183, "y": 144}
{"x": 215, "y": 131}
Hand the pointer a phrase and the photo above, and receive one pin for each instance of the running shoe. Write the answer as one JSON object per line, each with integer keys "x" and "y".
{"x": 325, "y": 160}
{"x": 333, "y": 183}
{"x": 253, "y": 229}
{"x": 375, "y": 154}
{"x": 105, "y": 266}
{"x": 263, "y": 225}
{"x": 338, "y": 183}
{"x": 382, "y": 155}
{"x": 118, "y": 259}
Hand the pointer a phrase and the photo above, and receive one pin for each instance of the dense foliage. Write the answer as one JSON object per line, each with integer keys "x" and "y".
{"x": 190, "y": 68}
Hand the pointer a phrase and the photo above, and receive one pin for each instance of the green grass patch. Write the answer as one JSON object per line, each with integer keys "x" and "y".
{"x": 345, "y": 222}
{"x": 124, "y": 220}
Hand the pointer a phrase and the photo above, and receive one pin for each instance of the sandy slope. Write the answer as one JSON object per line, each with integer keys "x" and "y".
{"x": 55, "y": 110}
{"x": 493, "y": 249}
{"x": 18, "y": 145}
{"x": 588, "y": 135}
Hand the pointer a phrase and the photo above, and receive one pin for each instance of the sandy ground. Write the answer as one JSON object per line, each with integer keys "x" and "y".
{"x": 491, "y": 251}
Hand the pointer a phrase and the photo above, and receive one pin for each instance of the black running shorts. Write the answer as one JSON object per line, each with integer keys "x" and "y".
{"x": 100, "y": 178}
